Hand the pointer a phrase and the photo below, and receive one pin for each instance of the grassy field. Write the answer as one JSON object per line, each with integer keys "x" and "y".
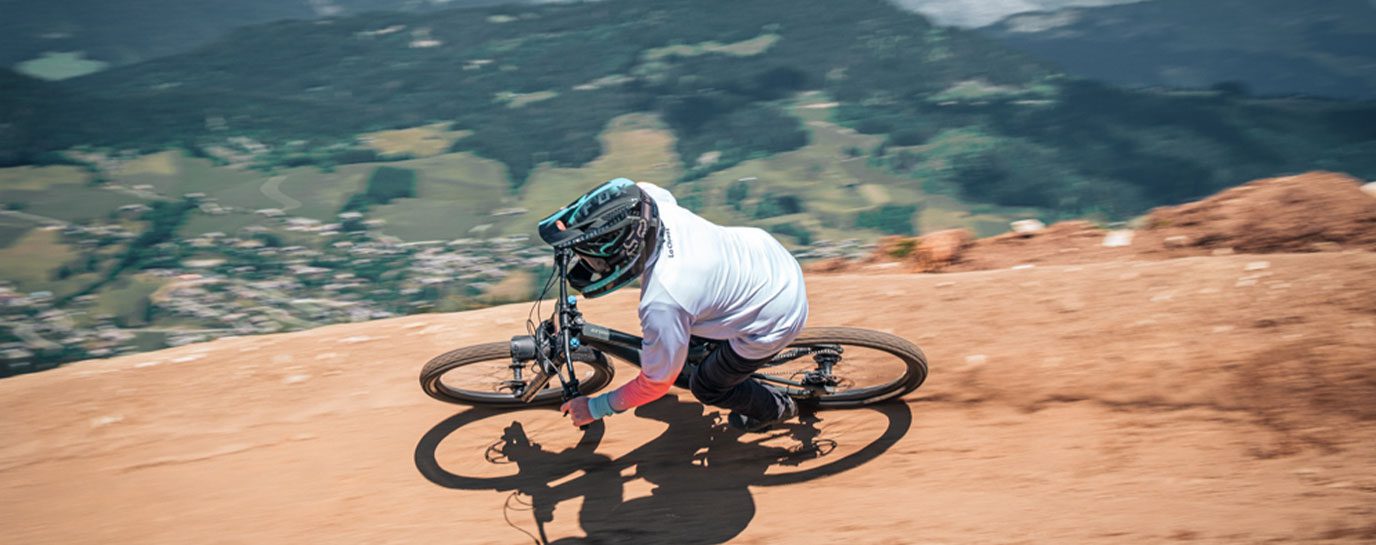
{"x": 29, "y": 261}
{"x": 160, "y": 164}
{"x": 179, "y": 174}
{"x": 514, "y": 288}
{"x": 320, "y": 194}
{"x": 459, "y": 192}
{"x": 12, "y": 229}
{"x": 455, "y": 192}
{"x": 462, "y": 195}
{"x": 73, "y": 202}
{"x": 423, "y": 141}
{"x": 40, "y": 178}
{"x": 635, "y": 146}
{"x": 743, "y": 48}
{"x": 124, "y": 297}
{"x": 835, "y": 186}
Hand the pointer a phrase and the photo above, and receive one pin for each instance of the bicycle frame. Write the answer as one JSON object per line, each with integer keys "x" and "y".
{"x": 565, "y": 331}
{"x": 560, "y": 335}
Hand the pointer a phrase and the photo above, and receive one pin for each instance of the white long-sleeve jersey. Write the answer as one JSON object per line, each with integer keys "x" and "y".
{"x": 736, "y": 284}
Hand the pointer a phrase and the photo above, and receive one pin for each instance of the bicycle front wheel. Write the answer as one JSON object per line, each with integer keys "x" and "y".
{"x": 866, "y": 367}
{"x": 481, "y": 375}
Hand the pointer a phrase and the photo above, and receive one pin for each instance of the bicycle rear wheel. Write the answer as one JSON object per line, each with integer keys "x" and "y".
{"x": 869, "y": 367}
{"x": 481, "y": 375}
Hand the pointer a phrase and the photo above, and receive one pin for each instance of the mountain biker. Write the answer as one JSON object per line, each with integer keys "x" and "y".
{"x": 734, "y": 284}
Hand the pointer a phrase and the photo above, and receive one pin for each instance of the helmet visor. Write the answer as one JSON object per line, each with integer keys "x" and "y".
{"x": 597, "y": 264}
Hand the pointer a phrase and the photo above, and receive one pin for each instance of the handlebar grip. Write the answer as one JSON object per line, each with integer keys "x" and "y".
{"x": 585, "y": 427}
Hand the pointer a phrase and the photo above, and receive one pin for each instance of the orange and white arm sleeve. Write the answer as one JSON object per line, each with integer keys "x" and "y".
{"x": 665, "y": 348}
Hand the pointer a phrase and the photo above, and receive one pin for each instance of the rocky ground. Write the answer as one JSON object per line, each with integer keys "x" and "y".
{"x": 1208, "y": 398}
{"x": 1313, "y": 212}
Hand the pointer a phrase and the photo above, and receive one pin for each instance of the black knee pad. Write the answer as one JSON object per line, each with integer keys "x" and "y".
{"x": 706, "y": 393}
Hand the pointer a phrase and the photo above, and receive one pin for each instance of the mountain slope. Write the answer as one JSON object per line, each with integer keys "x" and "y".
{"x": 129, "y": 32}
{"x": 538, "y": 83}
{"x": 535, "y": 85}
{"x": 1273, "y": 47}
{"x": 1101, "y": 403}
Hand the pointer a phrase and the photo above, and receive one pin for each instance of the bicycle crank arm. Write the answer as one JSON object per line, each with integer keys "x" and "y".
{"x": 815, "y": 388}
{"x": 537, "y": 383}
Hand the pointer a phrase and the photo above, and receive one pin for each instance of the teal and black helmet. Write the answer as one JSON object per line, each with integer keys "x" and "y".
{"x": 613, "y": 230}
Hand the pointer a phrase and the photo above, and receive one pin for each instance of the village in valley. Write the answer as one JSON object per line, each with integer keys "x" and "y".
{"x": 282, "y": 273}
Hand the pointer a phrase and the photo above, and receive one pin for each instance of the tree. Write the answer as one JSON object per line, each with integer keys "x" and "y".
{"x": 892, "y": 219}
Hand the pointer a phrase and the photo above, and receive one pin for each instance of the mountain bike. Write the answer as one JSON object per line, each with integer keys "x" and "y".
{"x": 825, "y": 367}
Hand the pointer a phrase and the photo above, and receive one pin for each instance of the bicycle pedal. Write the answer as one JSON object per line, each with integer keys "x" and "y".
{"x": 537, "y": 383}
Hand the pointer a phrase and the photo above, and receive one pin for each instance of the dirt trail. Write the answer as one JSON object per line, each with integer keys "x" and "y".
{"x": 1208, "y": 399}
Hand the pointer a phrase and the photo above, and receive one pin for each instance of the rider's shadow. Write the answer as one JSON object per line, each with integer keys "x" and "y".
{"x": 701, "y": 474}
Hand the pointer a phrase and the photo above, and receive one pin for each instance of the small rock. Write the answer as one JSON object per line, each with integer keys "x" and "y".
{"x": 1177, "y": 241}
{"x": 1222, "y": 251}
{"x": 835, "y": 264}
{"x": 356, "y": 339}
{"x": 1245, "y": 282}
{"x": 976, "y": 359}
{"x": 1257, "y": 266}
{"x": 1027, "y": 227}
{"x": 938, "y": 250}
{"x": 1118, "y": 239}
{"x": 188, "y": 358}
{"x": 1024, "y": 266}
{"x": 1369, "y": 188}
{"x": 142, "y": 364}
{"x": 945, "y": 284}
{"x": 106, "y": 420}
{"x": 294, "y": 379}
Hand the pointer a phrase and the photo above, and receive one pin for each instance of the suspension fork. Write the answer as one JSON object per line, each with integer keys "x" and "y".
{"x": 570, "y": 326}
{"x": 565, "y": 327}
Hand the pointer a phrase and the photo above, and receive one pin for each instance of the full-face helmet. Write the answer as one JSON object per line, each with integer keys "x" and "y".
{"x": 613, "y": 230}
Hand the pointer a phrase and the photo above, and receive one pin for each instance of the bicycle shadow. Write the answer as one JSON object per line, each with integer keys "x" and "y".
{"x": 701, "y": 472}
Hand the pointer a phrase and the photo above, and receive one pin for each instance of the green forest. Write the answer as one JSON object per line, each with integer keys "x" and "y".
{"x": 537, "y": 84}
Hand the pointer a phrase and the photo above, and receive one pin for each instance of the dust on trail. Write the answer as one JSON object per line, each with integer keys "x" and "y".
{"x": 1208, "y": 399}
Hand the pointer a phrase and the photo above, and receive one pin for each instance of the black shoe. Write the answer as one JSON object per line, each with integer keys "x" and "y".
{"x": 750, "y": 424}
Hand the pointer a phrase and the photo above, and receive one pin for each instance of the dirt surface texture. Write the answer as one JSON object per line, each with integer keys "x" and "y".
{"x": 1313, "y": 212}
{"x": 1202, "y": 399}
